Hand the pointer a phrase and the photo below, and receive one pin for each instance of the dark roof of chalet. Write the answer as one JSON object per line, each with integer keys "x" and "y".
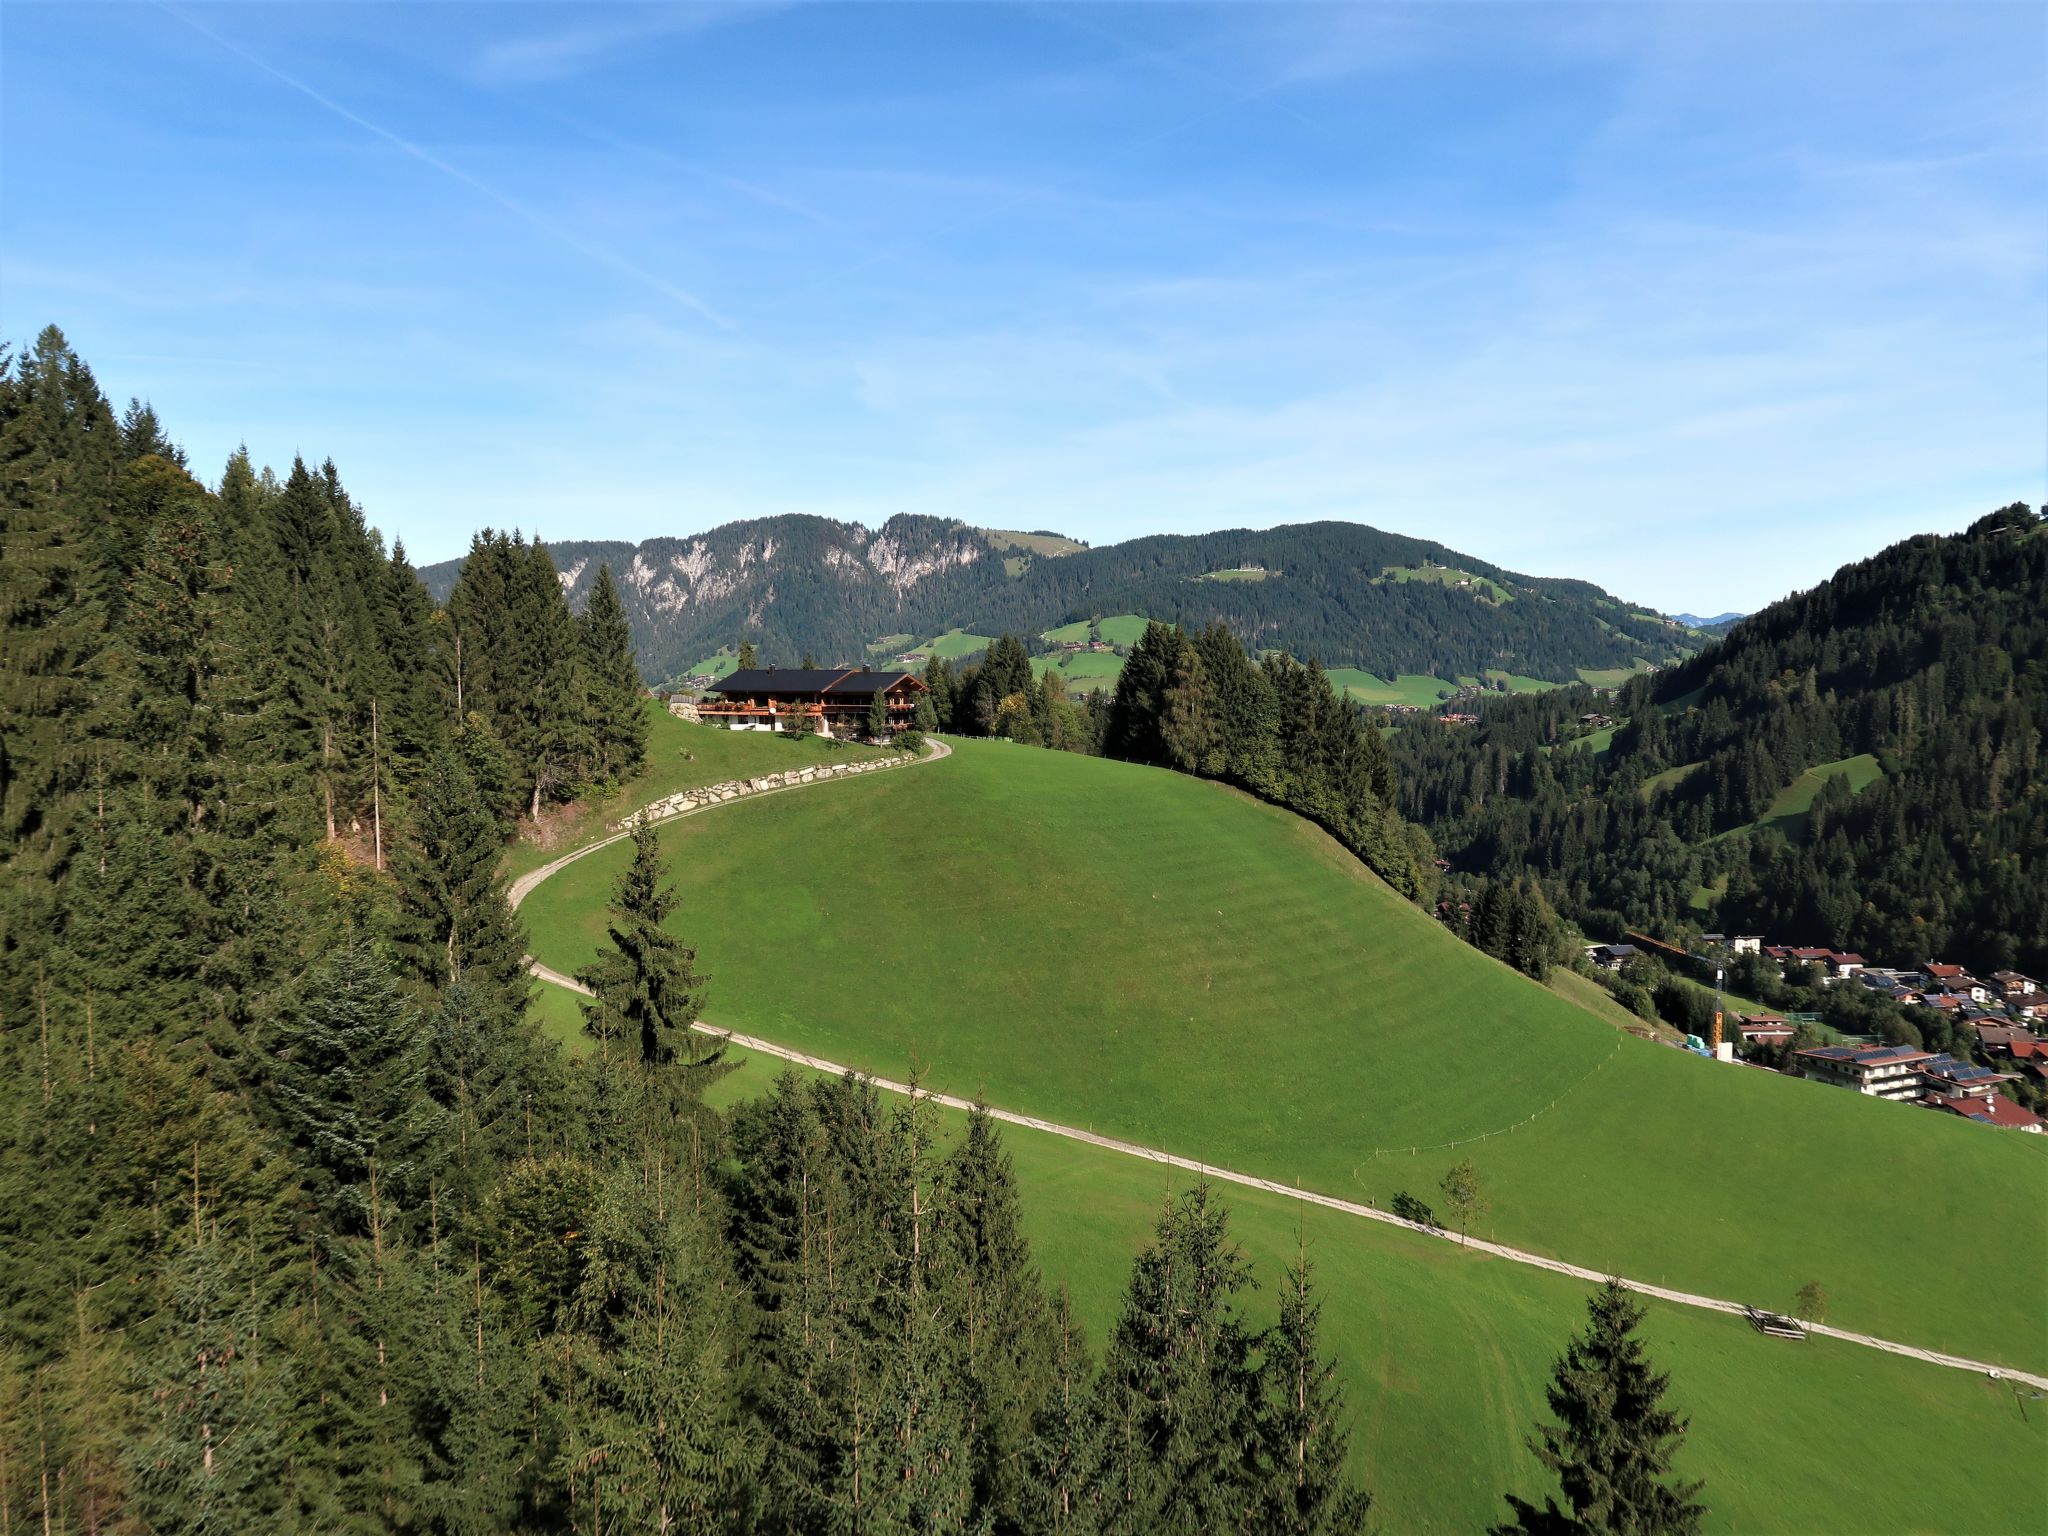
{"x": 873, "y": 682}
{"x": 808, "y": 680}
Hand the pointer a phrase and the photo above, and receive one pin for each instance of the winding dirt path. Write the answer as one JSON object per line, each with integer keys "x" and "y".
{"x": 522, "y": 887}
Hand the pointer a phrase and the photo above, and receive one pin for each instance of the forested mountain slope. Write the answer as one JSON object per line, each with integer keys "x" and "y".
{"x": 1912, "y": 686}
{"x": 1342, "y": 592}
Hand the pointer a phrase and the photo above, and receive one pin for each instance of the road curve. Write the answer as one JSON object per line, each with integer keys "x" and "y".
{"x": 522, "y": 887}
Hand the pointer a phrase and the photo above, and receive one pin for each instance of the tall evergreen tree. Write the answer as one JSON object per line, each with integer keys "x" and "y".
{"x": 1612, "y": 1449}
{"x": 453, "y": 920}
{"x": 1306, "y": 1439}
{"x": 350, "y": 1073}
{"x": 618, "y": 699}
{"x": 646, "y": 986}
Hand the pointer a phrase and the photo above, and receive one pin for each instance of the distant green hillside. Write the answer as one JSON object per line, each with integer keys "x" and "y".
{"x": 798, "y": 584}
{"x": 1858, "y": 765}
{"x": 1157, "y": 957}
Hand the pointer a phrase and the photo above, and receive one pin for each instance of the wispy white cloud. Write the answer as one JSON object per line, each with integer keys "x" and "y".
{"x": 532, "y": 217}
{"x": 560, "y": 52}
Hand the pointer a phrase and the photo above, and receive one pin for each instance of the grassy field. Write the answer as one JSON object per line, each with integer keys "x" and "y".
{"x": 1409, "y": 688}
{"x": 1609, "y": 677}
{"x": 954, "y": 644}
{"x": 1125, "y": 629}
{"x": 1083, "y": 671}
{"x": 1156, "y": 957}
{"x": 1788, "y": 812}
{"x": 1049, "y": 545}
{"x": 680, "y": 756}
{"x": 1519, "y": 684}
{"x": 1443, "y": 576}
{"x": 1595, "y": 742}
{"x": 1444, "y": 1356}
{"x": 1236, "y": 575}
{"x": 722, "y": 665}
{"x": 1667, "y": 779}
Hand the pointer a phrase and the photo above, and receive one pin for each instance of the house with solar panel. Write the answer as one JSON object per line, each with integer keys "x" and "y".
{"x": 1884, "y": 1072}
{"x": 837, "y": 700}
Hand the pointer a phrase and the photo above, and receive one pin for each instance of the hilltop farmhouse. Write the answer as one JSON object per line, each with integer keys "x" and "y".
{"x": 837, "y": 699}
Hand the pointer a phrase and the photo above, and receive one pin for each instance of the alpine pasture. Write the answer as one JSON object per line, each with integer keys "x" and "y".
{"x": 1445, "y": 1354}
{"x": 1164, "y": 960}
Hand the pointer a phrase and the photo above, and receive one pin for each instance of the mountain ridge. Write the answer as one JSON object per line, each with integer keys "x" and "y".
{"x": 1345, "y": 593}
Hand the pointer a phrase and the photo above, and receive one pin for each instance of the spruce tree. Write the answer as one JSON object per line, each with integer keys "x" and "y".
{"x": 1179, "y": 1399}
{"x": 878, "y": 717}
{"x": 350, "y": 1072}
{"x": 618, "y": 699}
{"x": 57, "y": 452}
{"x": 1306, "y": 1439}
{"x": 454, "y": 921}
{"x": 217, "y": 1444}
{"x": 646, "y": 986}
{"x": 1002, "y": 1325}
{"x": 1612, "y": 1449}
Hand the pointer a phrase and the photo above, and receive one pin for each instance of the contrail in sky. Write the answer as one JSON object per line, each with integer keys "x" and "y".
{"x": 511, "y": 205}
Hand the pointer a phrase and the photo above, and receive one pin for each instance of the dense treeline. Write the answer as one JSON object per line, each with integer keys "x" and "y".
{"x": 303, "y": 1223}
{"x": 1931, "y": 657}
{"x": 1198, "y": 703}
{"x": 799, "y": 584}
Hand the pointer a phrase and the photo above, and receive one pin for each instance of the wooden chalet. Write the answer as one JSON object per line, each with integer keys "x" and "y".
{"x": 838, "y": 699}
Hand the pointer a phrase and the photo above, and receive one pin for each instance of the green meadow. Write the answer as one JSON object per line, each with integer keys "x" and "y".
{"x": 1788, "y": 812}
{"x": 1082, "y": 671}
{"x": 1444, "y": 1355}
{"x": 1409, "y": 688}
{"x": 1125, "y": 629}
{"x": 1443, "y": 576}
{"x": 681, "y": 756}
{"x": 1610, "y": 677}
{"x": 955, "y": 643}
{"x": 1167, "y": 961}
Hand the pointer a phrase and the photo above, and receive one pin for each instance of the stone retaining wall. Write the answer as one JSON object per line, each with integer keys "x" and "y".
{"x": 739, "y": 789}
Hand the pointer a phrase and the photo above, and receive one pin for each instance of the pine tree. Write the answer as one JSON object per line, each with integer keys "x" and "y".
{"x": 1612, "y": 1451}
{"x": 1179, "y": 1401}
{"x": 454, "y": 921}
{"x": 58, "y": 444}
{"x": 215, "y": 1452}
{"x": 646, "y": 985}
{"x": 548, "y": 734}
{"x": 1002, "y": 1325}
{"x": 748, "y": 657}
{"x": 618, "y": 699}
{"x": 1306, "y": 1438}
{"x": 878, "y": 717}
{"x": 349, "y": 1086}
{"x": 1062, "y": 1454}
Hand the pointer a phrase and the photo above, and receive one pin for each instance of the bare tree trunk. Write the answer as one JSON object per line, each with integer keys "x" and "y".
{"x": 327, "y": 775}
{"x": 376, "y": 788}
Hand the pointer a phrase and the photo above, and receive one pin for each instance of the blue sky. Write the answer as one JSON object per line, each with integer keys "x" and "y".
{"x": 1696, "y": 301}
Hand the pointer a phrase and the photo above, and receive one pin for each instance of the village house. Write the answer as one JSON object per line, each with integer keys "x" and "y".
{"x": 1945, "y": 1077}
{"x": 1884, "y": 1072}
{"x": 1996, "y": 1110}
{"x": 1611, "y": 957}
{"x": 836, "y": 699}
{"x": 1765, "y": 1029}
{"x": 2011, "y": 984}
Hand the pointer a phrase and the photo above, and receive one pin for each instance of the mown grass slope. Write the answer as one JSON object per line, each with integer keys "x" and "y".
{"x": 680, "y": 756}
{"x": 1444, "y": 1355}
{"x": 1153, "y": 956}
